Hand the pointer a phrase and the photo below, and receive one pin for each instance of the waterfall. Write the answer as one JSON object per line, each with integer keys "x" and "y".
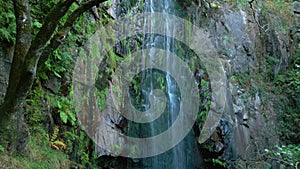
{"x": 185, "y": 155}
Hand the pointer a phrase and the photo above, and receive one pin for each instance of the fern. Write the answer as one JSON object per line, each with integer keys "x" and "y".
{"x": 65, "y": 110}
{"x": 55, "y": 134}
{"x": 7, "y": 22}
{"x": 55, "y": 143}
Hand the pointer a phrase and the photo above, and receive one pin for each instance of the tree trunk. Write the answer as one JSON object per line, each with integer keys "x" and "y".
{"x": 14, "y": 135}
{"x": 13, "y": 132}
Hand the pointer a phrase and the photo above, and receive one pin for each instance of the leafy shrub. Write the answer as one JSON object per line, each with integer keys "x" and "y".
{"x": 36, "y": 107}
{"x": 7, "y": 22}
{"x": 40, "y": 103}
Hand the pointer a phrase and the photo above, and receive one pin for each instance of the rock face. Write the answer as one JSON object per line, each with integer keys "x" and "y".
{"x": 249, "y": 123}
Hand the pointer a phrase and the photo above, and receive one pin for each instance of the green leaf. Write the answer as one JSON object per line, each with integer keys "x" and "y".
{"x": 58, "y": 104}
{"x": 219, "y": 162}
{"x": 63, "y": 116}
{"x": 72, "y": 117}
{"x": 2, "y": 148}
{"x": 60, "y": 143}
{"x": 207, "y": 105}
{"x": 56, "y": 74}
{"x": 204, "y": 83}
{"x": 37, "y": 24}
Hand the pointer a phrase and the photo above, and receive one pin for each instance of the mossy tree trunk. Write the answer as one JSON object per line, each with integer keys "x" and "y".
{"x": 27, "y": 53}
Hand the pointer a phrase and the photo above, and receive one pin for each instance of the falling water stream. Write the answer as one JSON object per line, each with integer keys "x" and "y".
{"x": 185, "y": 155}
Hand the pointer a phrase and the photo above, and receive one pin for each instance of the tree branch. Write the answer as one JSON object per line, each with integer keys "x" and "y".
{"x": 60, "y": 36}
{"x": 256, "y": 19}
{"x": 45, "y": 33}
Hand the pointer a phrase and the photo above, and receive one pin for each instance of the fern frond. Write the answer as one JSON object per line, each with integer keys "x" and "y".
{"x": 55, "y": 134}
